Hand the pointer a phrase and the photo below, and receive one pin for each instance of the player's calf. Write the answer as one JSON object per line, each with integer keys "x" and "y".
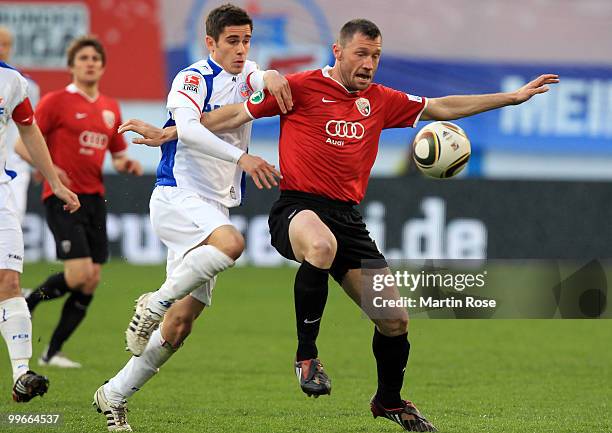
{"x": 179, "y": 320}
{"x": 393, "y": 327}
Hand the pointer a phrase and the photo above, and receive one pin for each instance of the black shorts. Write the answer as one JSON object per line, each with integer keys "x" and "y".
{"x": 354, "y": 242}
{"x": 81, "y": 234}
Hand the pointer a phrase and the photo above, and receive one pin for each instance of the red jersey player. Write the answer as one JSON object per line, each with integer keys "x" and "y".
{"x": 80, "y": 126}
{"x": 327, "y": 146}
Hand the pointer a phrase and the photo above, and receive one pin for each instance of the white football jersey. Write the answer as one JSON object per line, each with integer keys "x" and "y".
{"x": 205, "y": 86}
{"x": 13, "y": 91}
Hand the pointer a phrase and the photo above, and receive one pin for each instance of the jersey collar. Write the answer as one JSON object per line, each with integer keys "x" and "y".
{"x": 72, "y": 88}
{"x": 216, "y": 68}
{"x": 326, "y": 74}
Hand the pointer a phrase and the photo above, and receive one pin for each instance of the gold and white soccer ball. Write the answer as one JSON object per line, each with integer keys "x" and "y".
{"x": 441, "y": 149}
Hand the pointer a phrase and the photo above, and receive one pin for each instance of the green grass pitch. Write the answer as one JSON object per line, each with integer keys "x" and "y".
{"x": 234, "y": 373}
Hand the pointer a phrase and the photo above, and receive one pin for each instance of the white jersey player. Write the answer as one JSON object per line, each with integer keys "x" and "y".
{"x": 15, "y": 326}
{"x": 20, "y": 184}
{"x": 14, "y": 162}
{"x": 200, "y": 176}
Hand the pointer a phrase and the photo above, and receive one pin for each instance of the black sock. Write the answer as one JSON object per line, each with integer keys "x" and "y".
{"x": 391, "y": 355}
{"x": 73, "y": 313}
{"x": 310, "y": 292}
{"x": 54, "y": 287}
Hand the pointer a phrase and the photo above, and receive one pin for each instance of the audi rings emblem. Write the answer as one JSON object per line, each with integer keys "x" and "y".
{"x": 344, "y": 129}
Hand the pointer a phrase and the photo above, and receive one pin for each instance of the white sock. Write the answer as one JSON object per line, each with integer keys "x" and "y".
{"x": 16, "y": 328}
{"x": 139, "y": 370}
{"x": 197, "y": 267}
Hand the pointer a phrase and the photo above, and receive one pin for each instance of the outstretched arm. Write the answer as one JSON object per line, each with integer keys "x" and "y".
{"x": 190, "y": 131}
{"x": 225, "y": 118}
{"x": 221, "y": 119}
{"x": 456, "y": 107}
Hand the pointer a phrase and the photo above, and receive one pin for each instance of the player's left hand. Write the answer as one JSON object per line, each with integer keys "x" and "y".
{"x": 278, "y": 86}
{"x": 151, "y": 135}
{"x": 537, "y": 86}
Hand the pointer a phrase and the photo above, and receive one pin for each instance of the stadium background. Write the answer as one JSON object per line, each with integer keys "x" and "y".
{"x": 537, "y": 187}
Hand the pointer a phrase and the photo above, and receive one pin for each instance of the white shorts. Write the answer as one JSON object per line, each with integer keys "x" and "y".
{"x": 182, "y": 219}
{"x": 11, "y": 237}
{"x": 20, "y": 184}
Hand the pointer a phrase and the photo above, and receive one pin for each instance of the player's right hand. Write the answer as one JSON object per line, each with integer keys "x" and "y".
{"x": 151, "y": 135}
{"x": 278, "y": 86}
{"x": 263, "y": 173}
{"x": 70, "y": 199}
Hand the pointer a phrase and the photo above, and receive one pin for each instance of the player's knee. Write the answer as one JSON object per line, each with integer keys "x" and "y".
{"x": 92, "y": 282}
{"x": 233, "y": 245}
{"x": 80, "y": 279}
{"x": 321, "y": 252}
{"x": 394, "y": 327}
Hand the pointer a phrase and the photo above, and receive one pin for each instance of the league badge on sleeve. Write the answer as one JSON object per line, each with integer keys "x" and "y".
{"x": 109, "y": 118}
{"x": 363, "y": 105}
{"x": 192, "y": 83}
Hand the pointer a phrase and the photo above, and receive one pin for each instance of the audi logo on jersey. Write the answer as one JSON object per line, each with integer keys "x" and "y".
{"x": 93, "y": 139}
{"x": 344, "y": 129}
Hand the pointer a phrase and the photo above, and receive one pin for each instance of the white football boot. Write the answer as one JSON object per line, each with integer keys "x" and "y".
{"x": 115, "y": 413}
{"x": 143, "y": 323}
{"x": 58, "y": 360}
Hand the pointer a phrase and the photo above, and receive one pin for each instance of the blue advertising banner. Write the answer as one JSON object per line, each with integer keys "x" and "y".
{"x": 477, "y": 50}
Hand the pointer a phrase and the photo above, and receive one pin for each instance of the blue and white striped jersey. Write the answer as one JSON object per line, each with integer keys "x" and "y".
{"x": 205, "y": 86}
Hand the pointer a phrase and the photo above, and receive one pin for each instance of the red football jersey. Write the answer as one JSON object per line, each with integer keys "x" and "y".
{"x": 78, "y": 131}
{"x": 328, "y": 143}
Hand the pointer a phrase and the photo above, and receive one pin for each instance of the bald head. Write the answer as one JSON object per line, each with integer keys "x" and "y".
{"x": 6, "y": 44}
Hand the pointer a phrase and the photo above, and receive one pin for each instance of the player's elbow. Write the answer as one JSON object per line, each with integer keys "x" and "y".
{"x": 186, "y": 131}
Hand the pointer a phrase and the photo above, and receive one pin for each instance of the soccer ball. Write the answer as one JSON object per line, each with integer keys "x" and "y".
{"x": 441, "y": 149}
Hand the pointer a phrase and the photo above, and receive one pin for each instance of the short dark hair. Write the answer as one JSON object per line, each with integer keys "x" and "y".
{"x": 226, "y": 15}
{"x": 81, "y": 42}
{"x": 358, "y": 25}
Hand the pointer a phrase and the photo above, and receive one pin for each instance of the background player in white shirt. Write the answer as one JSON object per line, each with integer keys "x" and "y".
{"x": 20, "y": 184}
{"x": 15, "y": 324}
{"x": 200, "y": 176}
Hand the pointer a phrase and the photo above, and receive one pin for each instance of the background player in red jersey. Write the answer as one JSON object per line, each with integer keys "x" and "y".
{"x": 328, "y": 144}
{"x": 80, "y": 125}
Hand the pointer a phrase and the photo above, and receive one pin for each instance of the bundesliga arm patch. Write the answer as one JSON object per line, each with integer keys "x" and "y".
{"x": 257, "y": 97}
{"x": 192, "y": 83}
